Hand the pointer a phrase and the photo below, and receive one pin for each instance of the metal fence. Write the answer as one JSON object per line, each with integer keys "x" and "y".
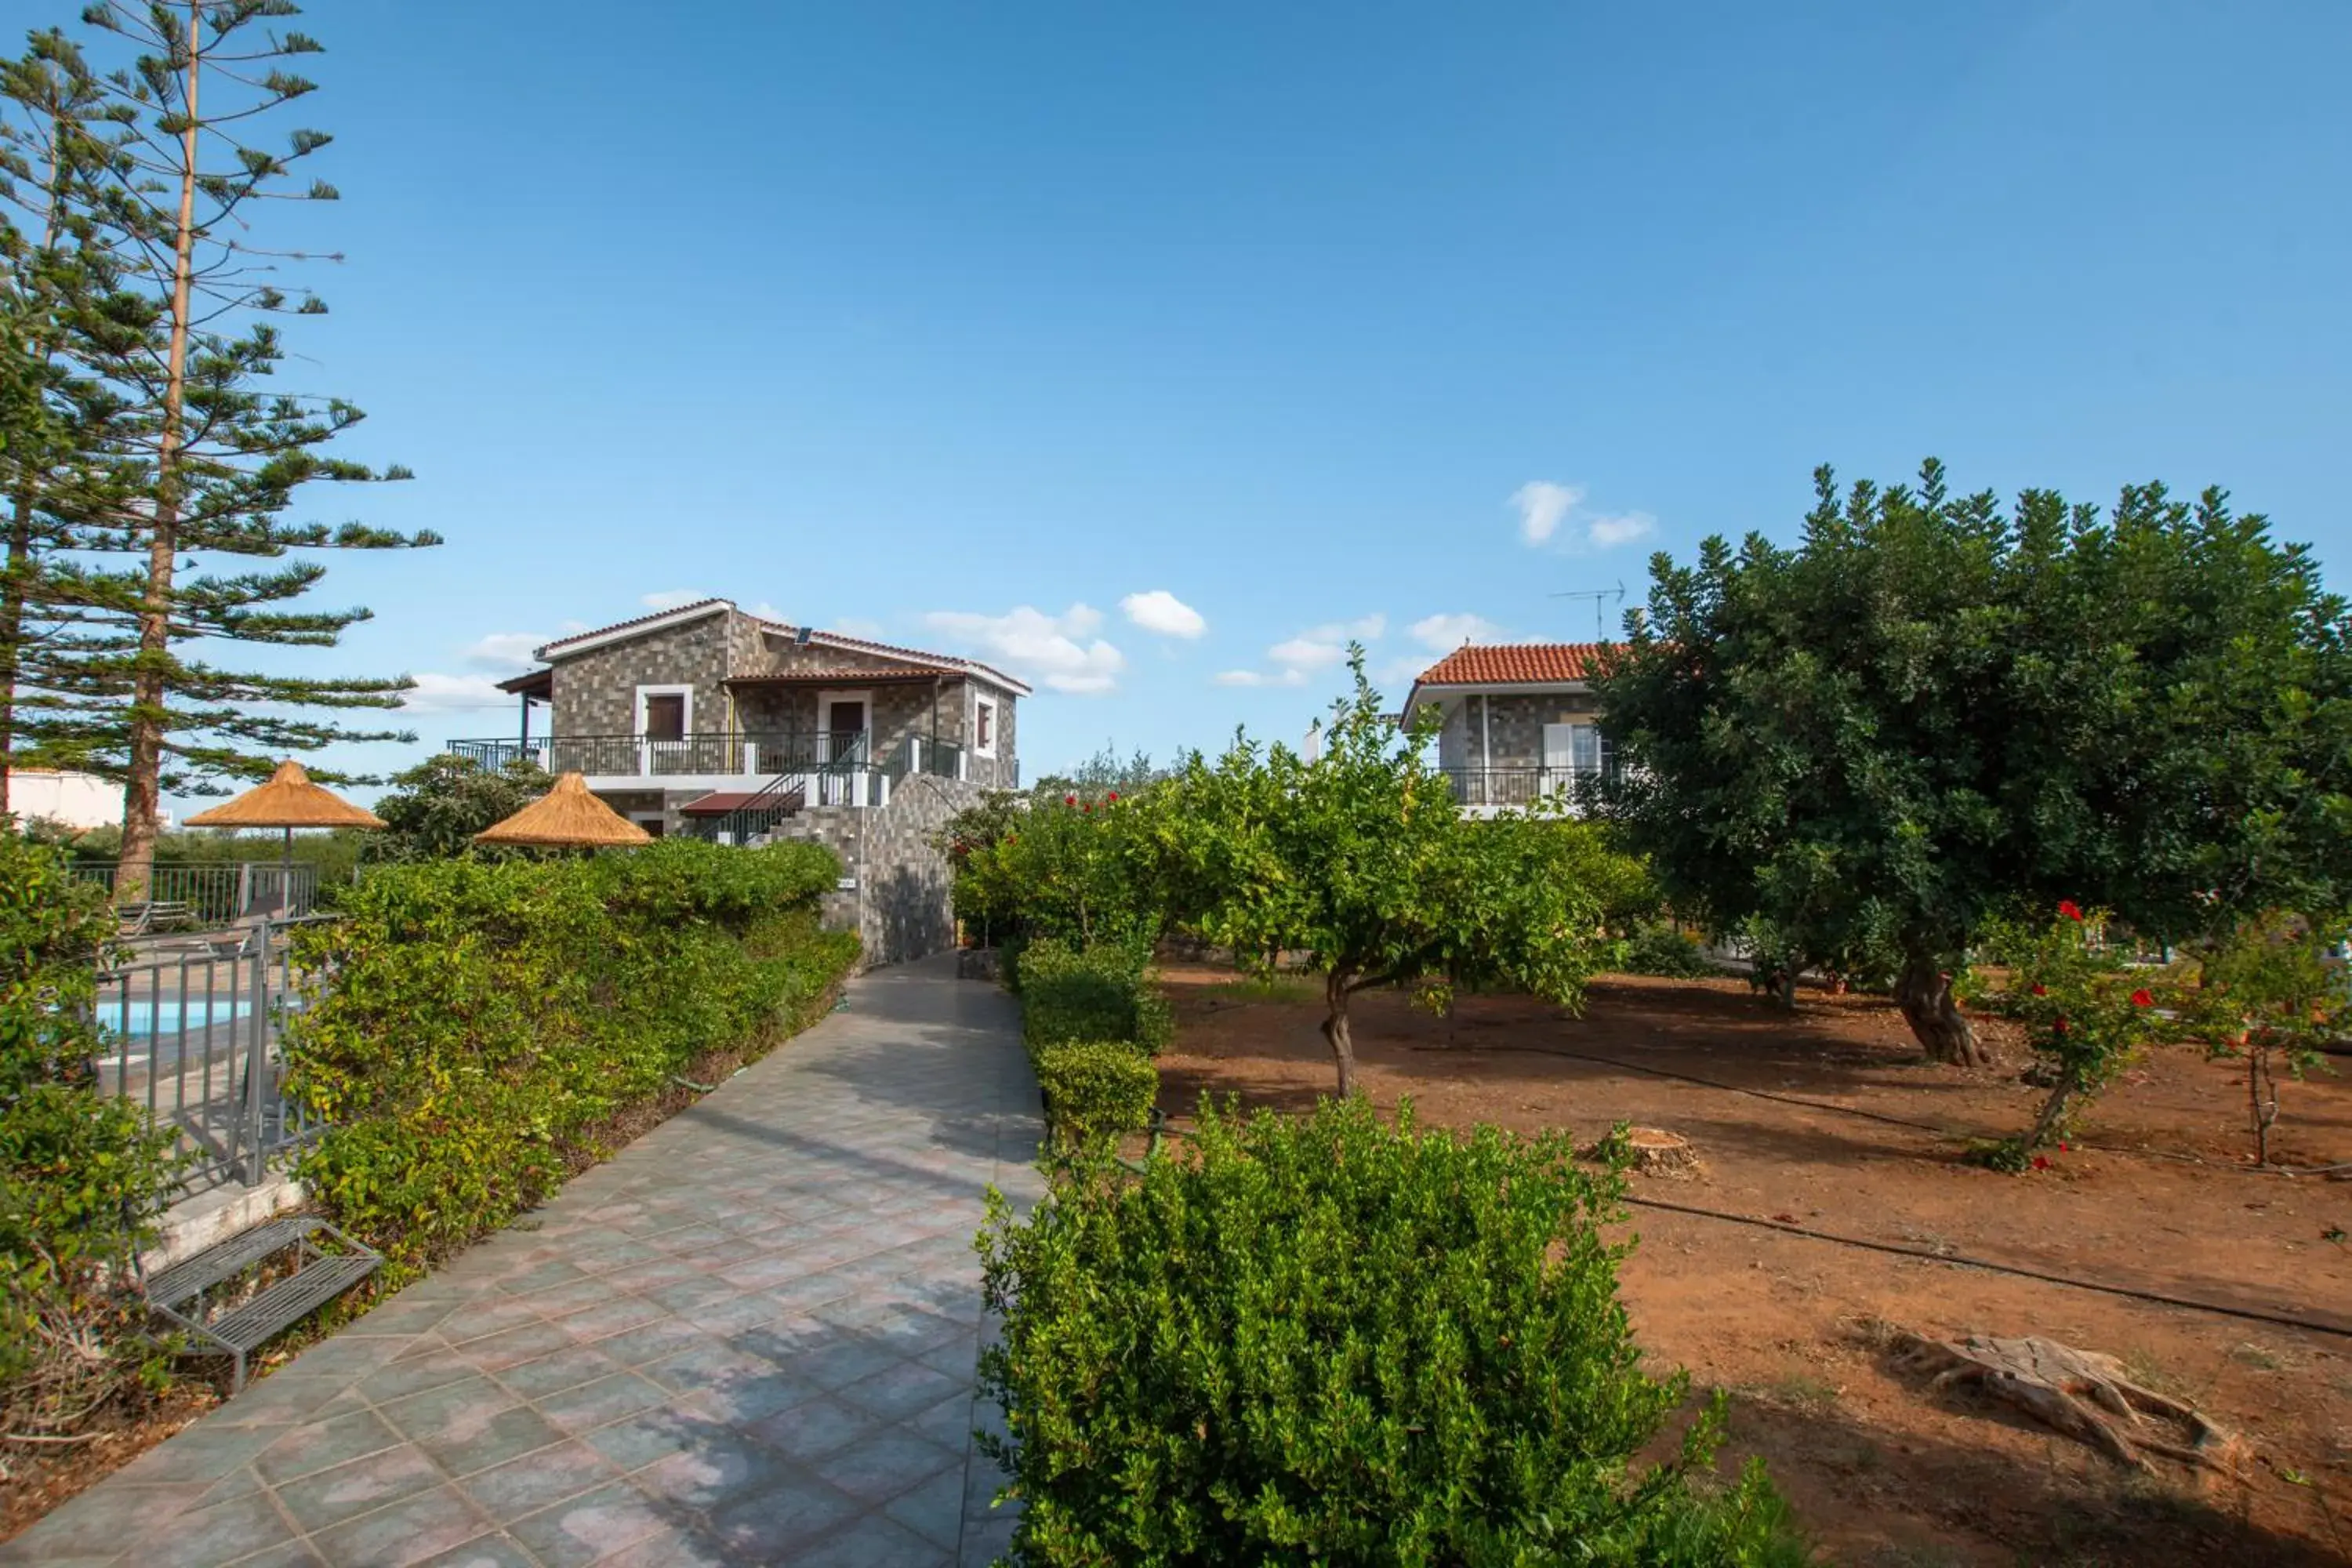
{"x": 192, "y": 1033}
{"x": 216, "y": 893}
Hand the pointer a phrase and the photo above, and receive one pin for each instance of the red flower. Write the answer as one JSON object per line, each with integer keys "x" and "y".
{"x": 2070, "y": 909}
{"x": 1113, "y": 795}
{"x": 2040, "y": 1163}
{"x": 2062, "y": 1148}
{"x": 1089, "y": 808}
{"x": 2039, "y": 989}
{"x": 2140, "y": 999}
{"x": 1069, "y": 800}
{"x": 2058, "y": 1025}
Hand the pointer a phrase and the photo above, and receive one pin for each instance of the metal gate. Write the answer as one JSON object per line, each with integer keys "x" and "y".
{"x": 192, "y": 1029}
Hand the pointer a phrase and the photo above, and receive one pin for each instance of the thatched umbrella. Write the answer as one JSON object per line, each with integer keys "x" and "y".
{"x": 290, "y": 800}
{"x": 566, "y": 817}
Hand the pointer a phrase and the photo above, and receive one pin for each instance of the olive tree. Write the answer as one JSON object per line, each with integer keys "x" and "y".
{"x": 1932, "y": 711}
{"x": 1361, "y": 861}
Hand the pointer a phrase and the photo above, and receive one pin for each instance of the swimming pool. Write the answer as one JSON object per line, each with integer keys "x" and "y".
{"x": 170, "y": 1017}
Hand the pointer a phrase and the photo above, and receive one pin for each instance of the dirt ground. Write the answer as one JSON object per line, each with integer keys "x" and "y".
{"x": 1880, "y": 1468}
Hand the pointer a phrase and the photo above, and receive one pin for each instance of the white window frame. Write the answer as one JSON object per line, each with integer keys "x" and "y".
{"x": 686, "y": 692}
{"x": 824, "y": 701}
{"x": 648, "y": 748}
{"x": 995, "y": 718}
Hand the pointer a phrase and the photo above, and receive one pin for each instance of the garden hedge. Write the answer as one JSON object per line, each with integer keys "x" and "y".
{"x": 484, "y": 1020}
{"x": 1093, "y": 1022}
{"x": 1327, "y": 1341}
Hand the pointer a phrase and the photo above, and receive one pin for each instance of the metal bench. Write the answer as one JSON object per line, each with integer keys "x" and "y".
{"x": 180, "y": 1294}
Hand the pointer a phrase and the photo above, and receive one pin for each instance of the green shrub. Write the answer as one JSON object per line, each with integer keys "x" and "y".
{"x": 485, "y": 1018}
{"x": 1091, "y": 994}
{"x": 1095, "y": 1090}
{"x": 1326, "y": 1341}
{"x": 82, "y": 1177}
{"x": 1662, "y": 950}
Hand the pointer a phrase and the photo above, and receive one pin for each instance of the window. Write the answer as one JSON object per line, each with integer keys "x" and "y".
{"x": 1576, "y": 749}
{"x": 665, "y": 712}
{"x": 983, "y": 727}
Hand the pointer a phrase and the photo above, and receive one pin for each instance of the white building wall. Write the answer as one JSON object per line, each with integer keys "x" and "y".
{"x": 77, "y": 801}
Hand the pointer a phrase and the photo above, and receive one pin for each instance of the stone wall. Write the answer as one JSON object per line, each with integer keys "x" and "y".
{"x": 595, "y": 692}
{"x": 1513, "y": 727}
{"x": 1001, "y": 771}
{"x": 901, "y": 905}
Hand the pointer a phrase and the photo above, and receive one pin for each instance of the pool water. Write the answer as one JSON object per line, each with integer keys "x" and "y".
{"x": 170, "y": 1017}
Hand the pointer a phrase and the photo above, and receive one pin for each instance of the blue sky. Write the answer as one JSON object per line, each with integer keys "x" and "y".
{"x": 994, "y": 327}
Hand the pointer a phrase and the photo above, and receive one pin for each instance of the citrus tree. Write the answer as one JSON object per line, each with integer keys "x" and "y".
{"x": 1361, "y": 861}
{"x": 2273, "y": 996}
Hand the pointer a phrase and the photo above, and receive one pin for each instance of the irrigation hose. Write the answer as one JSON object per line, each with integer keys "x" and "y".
{"x": 2251, "y": 1314}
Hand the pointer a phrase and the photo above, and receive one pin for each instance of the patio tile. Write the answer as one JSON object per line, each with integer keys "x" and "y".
{"x": 874, "y": 1469}
{"x": 205, "y": 1452}
{"x": 285, "y": 1399}
{"x": 591, "y": 1527}
{"x": 351, "y": 1355}
{"x": 934, "y": 1509}
{"x": 451, "y": 1412}
{"x": 410, "y": 1531}
{"x": 742, "y": 1310}
{"x": 609, "y": 1318}
{"x": 515, "y": 1346}
{"x": 718, "y": 1469}
{"x": 702, "y": 1291}
{"x": 540, "y": 1275}
{"x": 476, "y": 1319}
{"x": 591, "y": 1404}
{"x": 508, "y": 1434}
{"x": 985, "y": 1541}
{"x": 781, "y": 1524}
{"x": 213, "y": 1536}
{"x": 483, "y": 1551}
{"x": 329, "y": 1497}
{"x": 552, "y": 1373}
{"x": 322, "y": 1445}
{"x": 403, "y": 1378}
{"x": 809, "y": 1431}
{"x": 524, "y": 1485}
{"x": 655, "y": 1341}
{"x": 875, "y": 1542}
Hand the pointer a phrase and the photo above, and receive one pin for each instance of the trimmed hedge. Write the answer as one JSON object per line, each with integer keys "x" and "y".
{"x": 1096, "y": 1089}
{"x": 1093, "y": 1023}
{"x": 1097, "y": 993}
{"x": 485, "y": 1019}
{"x": 1327, "y": 1341}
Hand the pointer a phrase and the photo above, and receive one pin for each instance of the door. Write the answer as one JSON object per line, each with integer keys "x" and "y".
{"x": 665, "y": 715}
{"x": 845, "y": 726}
{"x": 1558, "y": 757}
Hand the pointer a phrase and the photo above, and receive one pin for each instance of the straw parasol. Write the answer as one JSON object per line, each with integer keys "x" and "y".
{"x": 566, "y": 817}
{"x": 290, "y": 800}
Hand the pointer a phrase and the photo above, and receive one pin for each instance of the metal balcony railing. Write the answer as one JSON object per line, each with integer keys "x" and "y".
{"x": 745, "y": 753}
{"x": 1513, "y": 786}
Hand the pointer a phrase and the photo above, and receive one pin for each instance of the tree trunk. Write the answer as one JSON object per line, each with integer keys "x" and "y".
{"x": 1924, "y": 992}
{"x": 1335, "y": 1029}
{"x": 142, "y": 792}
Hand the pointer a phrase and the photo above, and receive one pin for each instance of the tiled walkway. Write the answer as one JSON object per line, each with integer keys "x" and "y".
{"x": 749, "y": 1339}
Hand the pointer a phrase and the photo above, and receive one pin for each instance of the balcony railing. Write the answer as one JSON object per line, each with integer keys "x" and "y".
{"x": 745, "y": 754}
{"x": 1513, "y": 786}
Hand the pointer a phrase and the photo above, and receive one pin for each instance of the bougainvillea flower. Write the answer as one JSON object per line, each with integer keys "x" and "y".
{"x": 2039, "y": 989}
{"x": 2070, "y": 909}
{"x": 1069, "y": 800}
{"x": 2062, "y": 1147}
{"x": 2058, "y": 1025}
{"x": 2040, "y": 1163}
{"x": 2140, "y": 999}
{"x": 1113, "y": 795}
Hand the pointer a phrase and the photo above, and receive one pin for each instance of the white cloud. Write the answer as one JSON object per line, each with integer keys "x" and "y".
{"x": 1607, "y": 533}
{"x": 436, "y": 693}
{"x": 1444, "y": 634}
{"x": 1162, "y": 611}
{"x": 858, "y": 626}
{"x": 1543, "y": 506}
{"x": 1315, "y": 648}
{"x": 673, "y": 598}
{"x": 505, "y": 650}
{"x": 1062, "y": 651}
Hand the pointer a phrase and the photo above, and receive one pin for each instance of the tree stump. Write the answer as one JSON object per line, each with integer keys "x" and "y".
{"x": 2082, "y": 1394}
{"x": 1658, "y": 1152}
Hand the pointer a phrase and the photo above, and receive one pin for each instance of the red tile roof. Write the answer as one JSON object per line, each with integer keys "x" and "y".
{"x": 1513, "y": 663}
{"x": 698, "y": 607}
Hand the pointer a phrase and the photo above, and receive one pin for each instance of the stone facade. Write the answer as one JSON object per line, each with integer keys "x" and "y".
{"x": 595, "y": 692}
{"x": 1512, "y": 725}
{"x": 899, "y": 901}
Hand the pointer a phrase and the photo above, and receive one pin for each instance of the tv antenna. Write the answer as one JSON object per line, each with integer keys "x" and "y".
{"x": 1596, "y": 596}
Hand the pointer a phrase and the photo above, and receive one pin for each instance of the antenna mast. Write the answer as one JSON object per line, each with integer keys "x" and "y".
{"x": 1596, "y": 596}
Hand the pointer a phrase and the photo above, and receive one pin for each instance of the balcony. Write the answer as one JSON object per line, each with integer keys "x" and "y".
{"x": 828, "y": 767}
{"x": 1482, "y": 792}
